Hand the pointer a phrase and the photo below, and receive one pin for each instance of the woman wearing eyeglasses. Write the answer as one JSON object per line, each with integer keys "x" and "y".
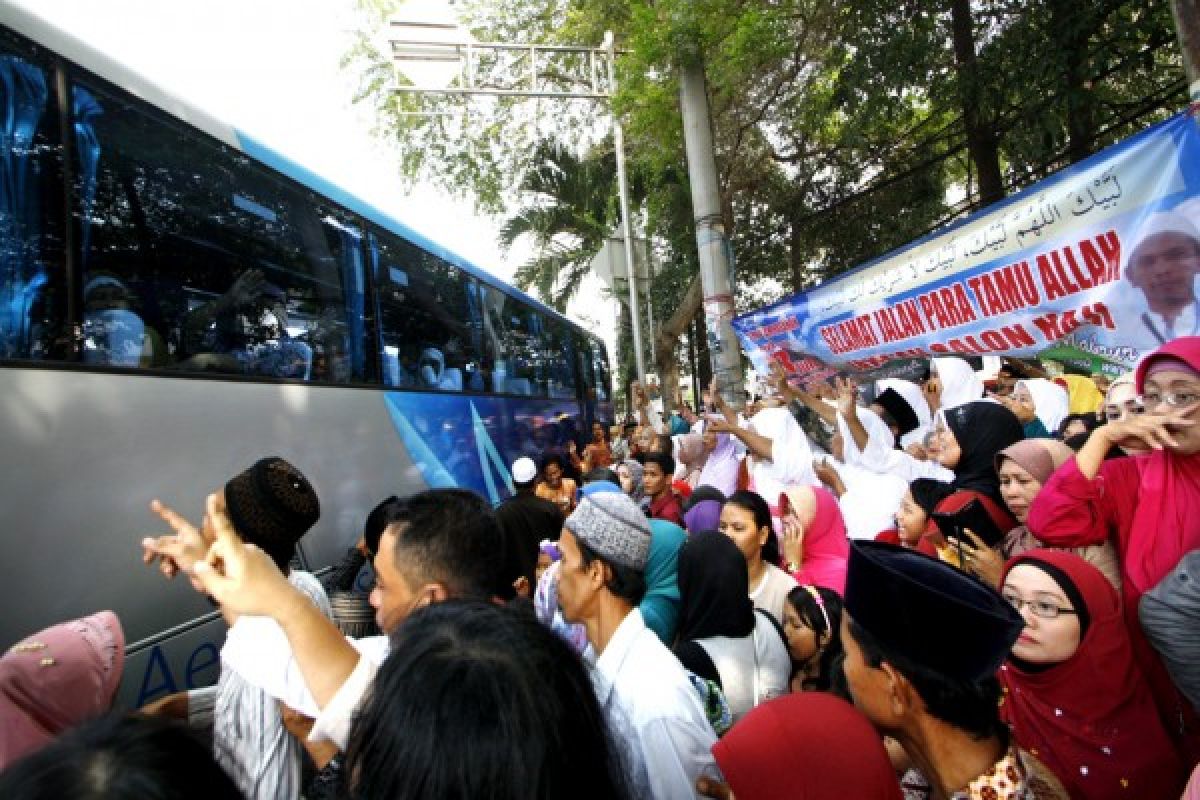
{"x": 1074, "y": 695}
{"x": 1148, "y": 505}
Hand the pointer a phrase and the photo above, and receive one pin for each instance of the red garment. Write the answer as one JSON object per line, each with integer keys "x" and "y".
{"x": 806, "y": 746}
{"x": 826, "y": 547}
{"x": 924, "y": 544}
{"x": 667, "y": 507}
{"x": 1071, "y": 511}
{"x": 1091, "y": 719}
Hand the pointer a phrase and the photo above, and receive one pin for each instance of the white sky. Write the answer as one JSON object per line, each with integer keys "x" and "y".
{"x": 271, "y": 69}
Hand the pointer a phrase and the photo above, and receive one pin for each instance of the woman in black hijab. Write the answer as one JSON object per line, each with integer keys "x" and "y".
{"x": 721, "y": 637}
{"x": 968, "y": 441}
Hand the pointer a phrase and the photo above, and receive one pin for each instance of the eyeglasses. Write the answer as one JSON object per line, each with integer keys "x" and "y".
{"x": 1187, "y": 397}
{"x": 1043, "y": 609}
{"x": 1115, "y": 413}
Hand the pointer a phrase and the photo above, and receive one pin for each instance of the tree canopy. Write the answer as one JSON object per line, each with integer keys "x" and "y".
{"x": 843, "y": 129}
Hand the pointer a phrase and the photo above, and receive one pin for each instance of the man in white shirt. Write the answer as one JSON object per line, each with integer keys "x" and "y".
{"x": 605, "y": 543}
{"x": 1163, "y": 265}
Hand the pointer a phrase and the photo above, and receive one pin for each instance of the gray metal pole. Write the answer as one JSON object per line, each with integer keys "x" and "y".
{"x": 711, "y": 241}
{"x": 1187, "y": 28}
{"x": 626, "y": 224}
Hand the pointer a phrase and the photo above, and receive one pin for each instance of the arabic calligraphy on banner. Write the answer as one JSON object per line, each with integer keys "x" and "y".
{"x": 1100, "y": 261}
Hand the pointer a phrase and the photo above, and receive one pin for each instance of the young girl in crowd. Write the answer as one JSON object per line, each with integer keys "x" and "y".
{"x": 1073, "y": 694}
{"x": 913, "y": 524}
{"x": 812, "y": 622}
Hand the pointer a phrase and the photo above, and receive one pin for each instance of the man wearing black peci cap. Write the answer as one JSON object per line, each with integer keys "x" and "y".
{"x": 273, "y": 505}
{"x": 894, "y": 410}
{"x": 923, "y": 642}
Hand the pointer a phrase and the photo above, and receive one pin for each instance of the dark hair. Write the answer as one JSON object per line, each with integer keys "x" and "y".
{"x": 554, "y": 457}
{"x": 970, "y": 706}
{"x": 665, "y": 445}
{"x": 120, "y": 757}
{"x": 601, "y": 474}
{"x": 504, "y": 708}
{"x": 700, "y": 494}
{"x": 377, "y": 520}
{"x": 804, "y": 604}
{"x": 625, "y": 582}
{"x": 665, "y": 461}
{"x": 756, "y": 505}
{"x": 1089, "y": 421}
{"x": 451, "y": 536}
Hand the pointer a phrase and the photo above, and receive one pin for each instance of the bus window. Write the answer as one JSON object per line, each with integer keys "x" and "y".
{"x": 33, "y": 318}
{"x": 600, "y": 363}
{"x": 197, "y": 258}
{"x": 514, "y": 338}
{"x": 424, "y": 317}
{"x": 560, "y": 360}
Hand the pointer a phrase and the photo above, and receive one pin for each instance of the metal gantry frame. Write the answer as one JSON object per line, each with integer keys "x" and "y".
{"x": 597, "y": 82}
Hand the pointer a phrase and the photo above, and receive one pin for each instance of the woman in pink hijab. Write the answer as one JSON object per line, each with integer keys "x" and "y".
{"x": 1146, "y": 504}
{"x": 815, "y": 547}
{"x": 56, "y": 679}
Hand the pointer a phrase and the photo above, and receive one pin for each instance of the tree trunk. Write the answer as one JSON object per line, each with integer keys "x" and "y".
{"x": 1187, "y": 28}
{"x": 1073, "y": 26}
{"x": 797, "y": 258}
{"x": 982, "y": 143}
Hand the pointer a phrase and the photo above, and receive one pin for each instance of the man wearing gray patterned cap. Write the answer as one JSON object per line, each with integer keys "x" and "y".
{"x": 640, "y": 684}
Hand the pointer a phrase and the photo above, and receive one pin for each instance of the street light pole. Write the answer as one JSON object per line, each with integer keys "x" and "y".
{"x": 626, "y": 222}
{"x": 468, "y": 54}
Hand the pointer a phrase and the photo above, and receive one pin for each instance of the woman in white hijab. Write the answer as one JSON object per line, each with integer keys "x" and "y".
{"x": 956, "y": 384}
{"x": 1040, "y": 405}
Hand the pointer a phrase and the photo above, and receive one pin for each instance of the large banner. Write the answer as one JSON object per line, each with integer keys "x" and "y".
{"x": 1094, "y": 267}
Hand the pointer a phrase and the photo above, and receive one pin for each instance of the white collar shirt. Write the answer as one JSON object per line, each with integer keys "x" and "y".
{"x": 662, "y": 709}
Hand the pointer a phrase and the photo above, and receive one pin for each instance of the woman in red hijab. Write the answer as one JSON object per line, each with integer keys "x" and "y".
{"x": 807, "y": 746}
{"x": 1073, "y": 694}
{"x": 1146, "y": 504}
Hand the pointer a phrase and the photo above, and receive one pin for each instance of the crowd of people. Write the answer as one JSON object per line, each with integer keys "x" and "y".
{"x": 955, "y": 589}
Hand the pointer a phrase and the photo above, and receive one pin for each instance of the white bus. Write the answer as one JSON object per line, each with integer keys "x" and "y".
{"x": 177, "y": 301}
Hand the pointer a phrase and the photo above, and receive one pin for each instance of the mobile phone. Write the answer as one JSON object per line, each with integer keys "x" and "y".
{"x": 973, "y": 516}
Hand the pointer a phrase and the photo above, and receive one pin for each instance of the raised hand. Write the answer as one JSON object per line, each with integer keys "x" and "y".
{"x": 793, "y": 541}
{"x": 178, "y": 551}
{"x": 980, "y": 560}
{"x": 847, "y": 398}
{"x": 240, "y": 576}
{"x": 827, "y": 474}
{"x": 1151, "y": 430}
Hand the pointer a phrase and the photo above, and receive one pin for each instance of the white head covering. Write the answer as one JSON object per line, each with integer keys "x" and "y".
{"x": 960, "y": 384}
{"x": 1051, "y": 403}
{"x": 791, "y": 456}
{"x": 1163, "y": 222}
{"x": 870, "y": 502}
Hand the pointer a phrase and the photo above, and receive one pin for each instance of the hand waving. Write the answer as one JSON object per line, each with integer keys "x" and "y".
{"x": 240, "y": 576}
{"x": 175, "y": 552}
